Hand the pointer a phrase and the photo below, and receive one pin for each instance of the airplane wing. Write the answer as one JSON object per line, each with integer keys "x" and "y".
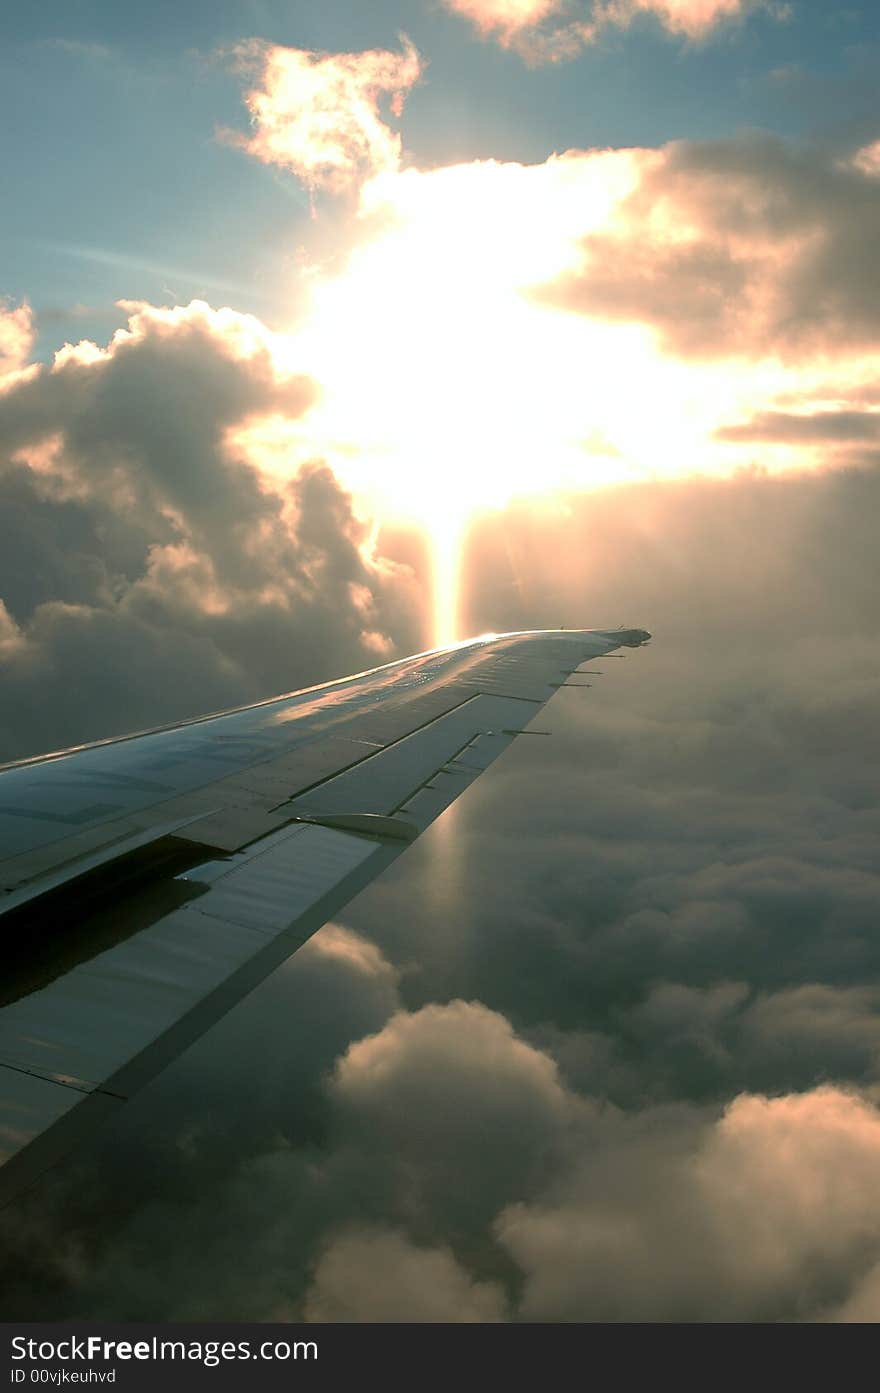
{"x": 150, "y": 882}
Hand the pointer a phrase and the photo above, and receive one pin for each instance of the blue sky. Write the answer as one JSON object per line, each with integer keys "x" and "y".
{"x": 120, "y": 188}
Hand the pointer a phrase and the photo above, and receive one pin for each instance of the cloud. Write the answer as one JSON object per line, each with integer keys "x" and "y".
{"x": 814, "y": 1031}
{"x": 438, "y": 1094}
{"x": 625, "y": 1065}
{"x": 319, "y": 115}
{"x": 254, "y": 1140}
{"x": 767, "y": 1212}
{"x": 344, "y": 989}
{"x": 382, "y": 1276}
{"x": 541, "y": 30}
{"x": 862, "y": 1306}
{"x": 790, "y": 1182}
{"x": 708, "y": 280}
{"x": 76, "y": 48}
{"x": 703, "y": 847}
{"x": 867, "y": 158}
{"x": 505, "y": 18}
{"x": 737, "y": 247}
{"x": 722, "y": 285}
{"x": 813, "y": 426}
{"x": 150, "y": 570}
{"x": 694, "y": 18}
{"x": 17, "y": 334}
{"x": 623, "y": 1061}
{"x": 387, "y": 1071}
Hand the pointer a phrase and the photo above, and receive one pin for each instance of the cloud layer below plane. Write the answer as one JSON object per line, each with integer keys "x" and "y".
{"x": 624, "y": 1060}
{"x": 551, "y": 31}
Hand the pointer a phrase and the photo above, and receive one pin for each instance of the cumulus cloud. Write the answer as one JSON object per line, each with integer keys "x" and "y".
{"x": 388, "y": 1071}
{"x": 707, "y": 279}
{"x": 344, "y": 1211}
{"x": 320, "y": 115}
{"x": 436, "y": 1096}
{"x": 382, "y": 1276}
{"x": 724, "y": 285}
{"x": 867, "y": 158}
{"x": 504, "y": 18}
{"x": 769, "y": 1212}
{"x": 544, "y": 31}
{"x": 149, "y": 569}
{"x": 790, "y": 1185}
{"x": 763, "y": 1208}
{"x": 745, "y": 246}
{"x": 695, "y": 18}
{"x": 277, "y": 1062}
{"x": 17, "y": 335}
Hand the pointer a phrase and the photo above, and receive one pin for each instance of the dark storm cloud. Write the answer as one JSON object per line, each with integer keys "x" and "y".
{"x": 741, "y": 246}
{"x": 147, "y": 569}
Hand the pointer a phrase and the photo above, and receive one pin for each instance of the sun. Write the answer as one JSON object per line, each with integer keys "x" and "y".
{"x": 448, "y": 385}
{"x": 456, "y": 322}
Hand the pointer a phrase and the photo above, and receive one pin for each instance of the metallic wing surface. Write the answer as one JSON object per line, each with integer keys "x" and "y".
{"x": 150, "y": 882}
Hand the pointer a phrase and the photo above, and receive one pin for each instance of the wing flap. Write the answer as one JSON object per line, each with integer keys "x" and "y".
{"x": 30, "y": 1107}
{"x": 383, "y": 782}
{"x": 109, "y": 1024}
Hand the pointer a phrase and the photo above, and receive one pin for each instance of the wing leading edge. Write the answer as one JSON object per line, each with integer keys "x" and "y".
{"x": 148, "y": 883}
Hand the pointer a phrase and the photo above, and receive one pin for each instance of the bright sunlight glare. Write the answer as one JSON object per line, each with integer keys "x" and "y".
{"x": 447, "y": 385}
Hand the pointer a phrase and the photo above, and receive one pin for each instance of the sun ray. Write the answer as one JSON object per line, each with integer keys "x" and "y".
{"x": 447, "y": 537}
